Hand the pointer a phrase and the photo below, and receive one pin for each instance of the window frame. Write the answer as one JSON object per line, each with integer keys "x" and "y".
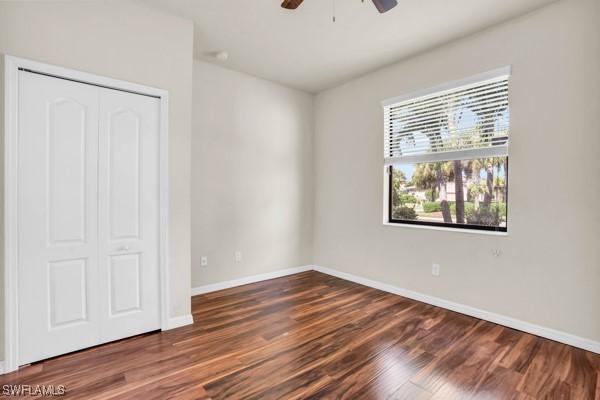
{"x": 473, "y": 227}
{"x": 388, "y": 176}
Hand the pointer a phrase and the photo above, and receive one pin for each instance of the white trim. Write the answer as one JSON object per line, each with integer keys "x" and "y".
{"x": 11, "y": 306}
{"x": 484, "y": 76}
{"x": 1, "y": 367}
{"x": 467, "y": 154}
{"x": 11, "y": 65}
{"x": 443, "y": 228}
{"x": 84, "y": 77}
{"x": 548, "y": 333}
{"x": 178, "y": 322}
{"x": 213, "y": 287}
{"x": 163, "y": 248}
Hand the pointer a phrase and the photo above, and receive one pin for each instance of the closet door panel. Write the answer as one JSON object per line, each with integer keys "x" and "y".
{"x": 57, "y": 215}
{"x": 124, "y": 174}
{"x": 128, "y": 213}
{"x": 66, "y": 158}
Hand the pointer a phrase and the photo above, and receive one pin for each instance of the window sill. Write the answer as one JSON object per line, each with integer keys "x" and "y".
{"x": 441, "y": 228}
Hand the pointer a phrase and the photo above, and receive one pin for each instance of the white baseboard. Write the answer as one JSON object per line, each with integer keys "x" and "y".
{"x": 213, "y": 287}
{"x": 548, "y": 333}
{"x": 178, "y": 322}
{"x": 2, "y": 368}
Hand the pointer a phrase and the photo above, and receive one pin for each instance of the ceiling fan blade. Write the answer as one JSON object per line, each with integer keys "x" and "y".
{"x": 385, "y": 5}
{"x": 291, "y": 4}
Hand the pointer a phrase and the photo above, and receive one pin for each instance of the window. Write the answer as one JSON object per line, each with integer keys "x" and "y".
{"x": 446, "y": 155}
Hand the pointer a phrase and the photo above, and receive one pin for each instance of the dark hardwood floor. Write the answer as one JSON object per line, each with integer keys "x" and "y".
{"x": 315, "y": 336}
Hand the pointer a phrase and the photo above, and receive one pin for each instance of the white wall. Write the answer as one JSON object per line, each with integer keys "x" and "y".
{"x": 130, "y": 42}
{"x": 549, "y": 270}
{"x": 251, "y": 175}
{"x": 257, "y": 170}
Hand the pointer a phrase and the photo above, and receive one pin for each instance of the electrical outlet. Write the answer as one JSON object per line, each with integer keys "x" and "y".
{"x": 203, "y": 261}
{"x": 496, "y": 252}
{"x": 435, "y": 269}
{"x": 238, "y": 256}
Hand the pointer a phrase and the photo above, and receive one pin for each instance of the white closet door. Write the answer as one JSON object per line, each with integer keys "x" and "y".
{"x": 128, "y": 214}
{"x": 57, "y": 213}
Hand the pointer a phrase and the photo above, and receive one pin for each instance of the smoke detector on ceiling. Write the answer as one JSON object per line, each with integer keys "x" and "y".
{"x": 221, "y": 55}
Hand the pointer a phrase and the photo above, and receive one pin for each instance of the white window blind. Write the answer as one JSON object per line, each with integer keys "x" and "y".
{"x": 467, "y": 121}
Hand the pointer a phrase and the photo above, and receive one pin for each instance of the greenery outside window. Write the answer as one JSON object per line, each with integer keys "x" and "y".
{"x": 446, "y": 155}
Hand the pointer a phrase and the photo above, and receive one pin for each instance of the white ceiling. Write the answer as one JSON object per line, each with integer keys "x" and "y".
{"x": 306, "y": 50}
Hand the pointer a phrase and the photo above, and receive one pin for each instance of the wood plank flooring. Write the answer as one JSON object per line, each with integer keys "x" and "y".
{"x": 313, "y": 336}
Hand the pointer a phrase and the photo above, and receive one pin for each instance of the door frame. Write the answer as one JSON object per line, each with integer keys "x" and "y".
{"x": 11, "y": 101}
